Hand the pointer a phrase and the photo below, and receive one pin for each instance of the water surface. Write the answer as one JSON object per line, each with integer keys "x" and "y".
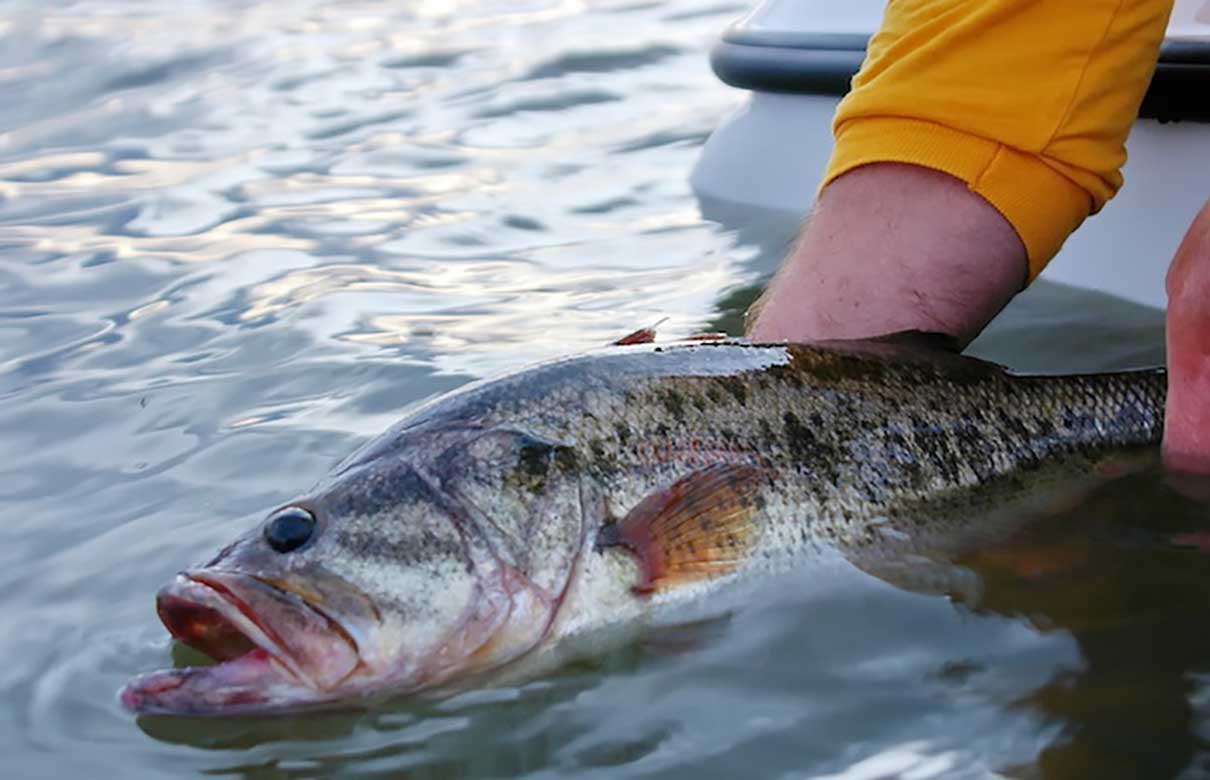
{"x": 239, "y": 238}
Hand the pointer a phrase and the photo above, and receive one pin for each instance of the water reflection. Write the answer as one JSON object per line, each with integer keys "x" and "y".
{"x": 241, "y": 238}
{"x": 1125, "y": 574}
{"x": 508, "y": 726}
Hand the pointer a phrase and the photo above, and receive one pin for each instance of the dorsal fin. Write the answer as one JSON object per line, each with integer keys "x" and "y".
{"x": 927, "y": 341}
{"x": 938, "y": 350}
{"x": 640, "y": 336}
{"x": 644, "y": 335}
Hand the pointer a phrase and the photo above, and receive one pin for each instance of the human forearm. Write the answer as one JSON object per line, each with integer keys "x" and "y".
{"x": 893, "y": 247}
{"x": 1029, "y": 103}
{"x": 1025, "y": 106}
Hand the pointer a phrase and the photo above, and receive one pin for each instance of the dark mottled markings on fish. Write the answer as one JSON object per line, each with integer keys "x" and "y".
{"x": 371, "y": 489}
{"x": 405, "y": 549}
{"x": 674, "y": 403}
{"x": 845, "y": 432}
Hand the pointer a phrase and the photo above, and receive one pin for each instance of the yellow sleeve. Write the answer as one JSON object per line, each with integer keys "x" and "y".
{"x": 1027, "y": 101}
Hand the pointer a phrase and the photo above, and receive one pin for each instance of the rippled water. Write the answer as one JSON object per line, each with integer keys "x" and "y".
{"x": 239, "y": 238}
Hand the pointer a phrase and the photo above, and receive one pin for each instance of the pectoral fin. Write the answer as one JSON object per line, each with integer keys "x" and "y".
{"x": 701, "y": 526}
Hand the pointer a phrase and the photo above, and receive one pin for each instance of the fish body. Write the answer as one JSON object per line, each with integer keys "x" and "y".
{"x": 498, "y": 525}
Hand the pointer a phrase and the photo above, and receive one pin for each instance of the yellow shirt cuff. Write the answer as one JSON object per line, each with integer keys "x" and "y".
{"x": 1041, "y": 204}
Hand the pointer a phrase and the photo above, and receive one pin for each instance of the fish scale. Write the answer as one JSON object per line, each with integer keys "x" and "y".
{"x": 520, "y": 520}
{"x": 842, "y": 426}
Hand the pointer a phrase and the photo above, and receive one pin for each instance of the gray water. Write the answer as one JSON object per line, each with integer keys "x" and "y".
{"x": 237, "y": 239}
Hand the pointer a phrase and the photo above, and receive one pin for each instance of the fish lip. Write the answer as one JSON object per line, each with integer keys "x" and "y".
{"x": 216, "y": 590}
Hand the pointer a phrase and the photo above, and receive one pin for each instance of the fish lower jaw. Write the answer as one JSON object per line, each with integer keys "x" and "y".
{"x": 251, "y": 683}
{"x": 232, "y": 619}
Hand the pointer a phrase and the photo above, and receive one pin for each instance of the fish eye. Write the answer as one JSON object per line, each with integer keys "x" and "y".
{"x": 289, "y": 528}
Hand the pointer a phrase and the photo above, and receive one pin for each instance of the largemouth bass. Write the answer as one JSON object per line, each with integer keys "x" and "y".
{"x": 498, "y": 525}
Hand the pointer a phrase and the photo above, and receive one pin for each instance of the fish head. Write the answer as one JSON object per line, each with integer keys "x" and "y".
{"x": 406, "y": 570}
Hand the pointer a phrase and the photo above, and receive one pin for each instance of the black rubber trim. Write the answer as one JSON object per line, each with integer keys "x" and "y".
{"x": 824, "y": 64}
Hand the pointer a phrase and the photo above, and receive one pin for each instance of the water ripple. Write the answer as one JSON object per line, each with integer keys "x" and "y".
{"x": 240, "y": 238}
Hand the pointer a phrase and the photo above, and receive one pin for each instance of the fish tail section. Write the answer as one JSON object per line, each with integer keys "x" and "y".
{"x": 1110, "y": 410}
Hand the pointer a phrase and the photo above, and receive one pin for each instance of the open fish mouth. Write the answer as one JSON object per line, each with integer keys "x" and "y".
{"x": 274, "y": 649}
